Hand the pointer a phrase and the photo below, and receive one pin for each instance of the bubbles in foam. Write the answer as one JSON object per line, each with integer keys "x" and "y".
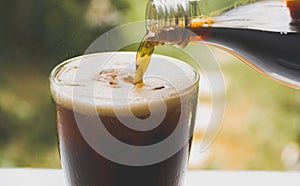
{"x": 115, "y": 77}
{"x": 106, "y": 80}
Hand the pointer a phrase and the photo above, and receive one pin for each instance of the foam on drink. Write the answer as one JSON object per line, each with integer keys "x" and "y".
{"x": 111, "y": 78}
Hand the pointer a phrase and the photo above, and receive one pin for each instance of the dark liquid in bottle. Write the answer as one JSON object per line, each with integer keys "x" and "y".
{"x": 275, "y": 54}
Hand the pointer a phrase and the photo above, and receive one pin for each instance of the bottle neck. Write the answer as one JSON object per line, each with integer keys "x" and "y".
{"x": 163, "y": 15}
{"x": 170, "y": 21}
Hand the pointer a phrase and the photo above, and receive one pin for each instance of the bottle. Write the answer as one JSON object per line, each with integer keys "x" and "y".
{"x": 264, "y": 34}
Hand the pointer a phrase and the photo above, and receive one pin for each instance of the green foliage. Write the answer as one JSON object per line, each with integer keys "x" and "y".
{"x": 46, "y": 31}
{"x": 270, "y": 114}
{"x": 35, "y": 36}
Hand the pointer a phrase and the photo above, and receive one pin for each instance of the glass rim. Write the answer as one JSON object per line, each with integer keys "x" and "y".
{"x": 55, "y": 85}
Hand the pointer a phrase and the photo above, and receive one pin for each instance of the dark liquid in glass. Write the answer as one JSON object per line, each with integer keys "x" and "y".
{"x": 83, "y": 165}
{"x": 86, "y": 167}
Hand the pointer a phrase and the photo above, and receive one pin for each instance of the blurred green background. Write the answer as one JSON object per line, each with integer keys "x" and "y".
{"x": 261, "y": 128}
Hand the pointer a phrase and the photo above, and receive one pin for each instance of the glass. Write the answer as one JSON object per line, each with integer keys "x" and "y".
{"x": 114, "y": 133}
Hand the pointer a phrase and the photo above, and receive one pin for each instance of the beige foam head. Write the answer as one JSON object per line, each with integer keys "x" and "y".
{"x": 103, "y": 82}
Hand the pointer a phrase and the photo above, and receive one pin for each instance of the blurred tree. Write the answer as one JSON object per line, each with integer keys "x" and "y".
{"x": 46, "y": 32}
{"x": 35, "y": 36}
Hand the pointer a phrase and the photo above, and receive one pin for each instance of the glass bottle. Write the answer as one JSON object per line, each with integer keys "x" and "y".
{"x": 264, "y": 34}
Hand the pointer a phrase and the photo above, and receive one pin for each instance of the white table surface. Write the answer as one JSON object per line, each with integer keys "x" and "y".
{"x": 54, "y": 177}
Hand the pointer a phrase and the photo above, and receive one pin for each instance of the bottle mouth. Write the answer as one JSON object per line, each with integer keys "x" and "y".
{"x": 151, "y": 17}
{"x": 167, "y": 21}
{"x": 171, "y": 21}
{"x": 166, "y": 15}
